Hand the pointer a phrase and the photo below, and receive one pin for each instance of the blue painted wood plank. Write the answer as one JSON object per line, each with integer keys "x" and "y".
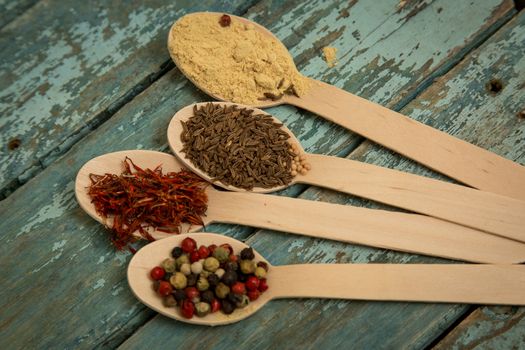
{"x": 11, "y": 9}
{"x": 66, "y": 247}
{"x": 66, "y": 66}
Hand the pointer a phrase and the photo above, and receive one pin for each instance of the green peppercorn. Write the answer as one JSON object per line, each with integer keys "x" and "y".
{"x": 169, "y": 301}
{"x": 247, "y": 254}
{"x": 219, "y": 272}
{"x": 178, "y": 280}
{"x": 185, "y": 269}
{"x": 202, "y": 309}
{"x": 202, "y": 284}
{"x": 205, "y": 273}
{"x": 247, "y": 266}
{"x": 243, "y": 302}
{"x": 222, "y": 290}
{"x": 169, "y": 265}
{"x": 183, "y": 259}
{"x": 207, "y": 296}
{"x": 211, "y": 264}
{"x": 227, "y": 306}
{"x": 222, "y": 254}
{"x": 192, "y": 279}
{"x": 229, "y": 277}
{"x": 260, "y": 272}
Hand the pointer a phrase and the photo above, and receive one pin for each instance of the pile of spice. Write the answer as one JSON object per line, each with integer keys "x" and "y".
{"x": 209, "y": 278}
{"x": 233, "y": 60}
{"x": 330, "y": 56}
{"x": 240, "y": 148}
{"x": 141, "y": 198}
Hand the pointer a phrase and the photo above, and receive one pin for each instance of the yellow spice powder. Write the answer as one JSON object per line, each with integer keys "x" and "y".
{"x": 330, "y": 56}
{"x": 235, "y": 62}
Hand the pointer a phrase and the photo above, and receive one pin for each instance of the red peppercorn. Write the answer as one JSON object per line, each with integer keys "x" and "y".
{"x": 204, "y": 252}
{"x": 191, "y": 292}
{"x": 157, "y": 273}
{"x": 188, "y": 245}
{"x": 211, "y": 248}
{"x": 187, "y": 308}
{"x": 253, "y": 294}
{"x": 194, "y": 256}
{"x": 225, "y": 21}
{"x": 252, "y": 283}
{"x": 229, "y": 247}
{"x": 234, "y": 258}
{"x": 165, "y": 288}
{"x": 215, "y": 305}
{"x": 238, "y": 288}
{"x": 262, "y": 285}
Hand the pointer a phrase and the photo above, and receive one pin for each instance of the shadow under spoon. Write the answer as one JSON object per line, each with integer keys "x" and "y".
{"x": 412, "y": 233}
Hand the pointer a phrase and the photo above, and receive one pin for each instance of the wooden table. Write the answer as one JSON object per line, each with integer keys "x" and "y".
{"x": 79, "y": 79}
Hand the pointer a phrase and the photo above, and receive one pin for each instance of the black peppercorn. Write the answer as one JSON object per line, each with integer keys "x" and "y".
{"x": 227, "y": 306}
{"x": 176, "y": 252}
{"x": 229, "y": 277}
{"x": 192, "y": 279}
{"x": 179, "y": 295}
{"x": 167, "y": 276}
{"x": 213, "y": 280}
{"x": 235, "y": 299}
{"x": 207, "y": 296}
{"x": 231, "y": 265}
{"x": 247, "y": 254}
{"x": 241, "y": 277}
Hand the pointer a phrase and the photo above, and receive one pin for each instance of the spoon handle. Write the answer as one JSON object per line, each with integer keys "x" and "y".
{"x": 485, "y": 211}
{"x": 444, "y": 153}
{"x": 377, "y": 228}
{"x": 448, "y": 283}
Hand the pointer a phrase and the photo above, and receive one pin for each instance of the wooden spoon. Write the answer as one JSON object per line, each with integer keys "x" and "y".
{"x": 485, "y": 211}
{"x": 378, "y": 228}
{"x": 436, "y": 283}
{"x": 439, "y": 151}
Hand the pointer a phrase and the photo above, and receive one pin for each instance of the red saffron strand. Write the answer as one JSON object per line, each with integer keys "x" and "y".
{"x": 139, "y": 199}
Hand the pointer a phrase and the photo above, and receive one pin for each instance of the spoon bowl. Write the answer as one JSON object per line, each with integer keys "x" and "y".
{"x": 461, "y": 283}
{"x": 378, "y": 228}
{"x": 485, "y": 211}
{"x": 437, "y": 150}
{"x": 260, "y": 29}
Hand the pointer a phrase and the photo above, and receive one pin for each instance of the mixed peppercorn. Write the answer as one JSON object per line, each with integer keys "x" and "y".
{"x": 210, "y": 278}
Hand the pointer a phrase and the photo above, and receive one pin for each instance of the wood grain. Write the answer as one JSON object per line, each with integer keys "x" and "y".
{"x": 63, "y": 245}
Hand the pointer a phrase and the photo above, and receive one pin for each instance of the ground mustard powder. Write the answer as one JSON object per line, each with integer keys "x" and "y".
{"x": 235, "y": 62}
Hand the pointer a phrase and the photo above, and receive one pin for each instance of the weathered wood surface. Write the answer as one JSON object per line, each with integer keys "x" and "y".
{"x": 488, "y": 328}
{"x": 11, "y": 9}
{"x": 458, "y": 103}
{"x": 64, "y": 256}
{"x": 66, "y": 66}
